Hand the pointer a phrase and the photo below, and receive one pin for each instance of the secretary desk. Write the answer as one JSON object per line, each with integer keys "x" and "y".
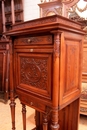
{"x": 45, "y": 71}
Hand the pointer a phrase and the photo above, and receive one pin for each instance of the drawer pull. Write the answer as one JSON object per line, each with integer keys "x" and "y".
{"x": 31, "y": 103}
{"x": 29, "y": 40}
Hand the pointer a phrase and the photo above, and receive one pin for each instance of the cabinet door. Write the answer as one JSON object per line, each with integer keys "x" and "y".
{"x": 34, "y": 72}
{"x": 70, "y": 68}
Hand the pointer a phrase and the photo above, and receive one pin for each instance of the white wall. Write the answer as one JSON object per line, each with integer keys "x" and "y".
{"x": 31, "y": 9}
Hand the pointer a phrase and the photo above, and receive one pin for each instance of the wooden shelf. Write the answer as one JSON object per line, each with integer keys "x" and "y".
{"x": 18, "y": 13}
{"x": 7, "y": 13}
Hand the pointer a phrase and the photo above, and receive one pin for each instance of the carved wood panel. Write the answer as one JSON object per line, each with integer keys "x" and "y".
{"x": 71, "y": 66}
{"x": 70, "y": 77}
{"x": 34, "y": 72}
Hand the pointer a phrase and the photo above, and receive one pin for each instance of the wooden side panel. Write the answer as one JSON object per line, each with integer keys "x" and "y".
{"x": 68, "y": 116}
{"x": 70, "y": 71}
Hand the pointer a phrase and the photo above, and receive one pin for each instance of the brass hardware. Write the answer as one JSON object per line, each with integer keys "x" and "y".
{"x": 31, "y": 103}
{"x": 29, "y": 40}
{"x": 31, "y": 50}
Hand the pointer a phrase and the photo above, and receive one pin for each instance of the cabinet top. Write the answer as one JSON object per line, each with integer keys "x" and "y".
{"x": 48, "y": 23}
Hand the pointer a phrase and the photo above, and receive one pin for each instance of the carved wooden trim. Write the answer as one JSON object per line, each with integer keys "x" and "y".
{"x": 34, "y": 72}
{"x": 84, "y": 95}
{"x": 82, "y": 109}
{"x": 4, "y": 38}
{"x": 51, "y": 19}
{"x": 57, "y": 40}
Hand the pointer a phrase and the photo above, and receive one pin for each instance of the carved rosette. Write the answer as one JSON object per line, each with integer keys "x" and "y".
{"x": 34, "y": 72}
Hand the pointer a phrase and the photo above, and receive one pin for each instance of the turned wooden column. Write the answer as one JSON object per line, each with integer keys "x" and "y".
{"x": 24, "y": 116}
{"x": 3, "y": 16}
{"x": 54, "y": 113}
{"x": 12, "y": 89}
{"x": 12, "y": 10}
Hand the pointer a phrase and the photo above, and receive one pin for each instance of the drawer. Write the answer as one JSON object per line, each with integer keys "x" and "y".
{"x": 32, "y": 102}
{"x": 34, "y": 40}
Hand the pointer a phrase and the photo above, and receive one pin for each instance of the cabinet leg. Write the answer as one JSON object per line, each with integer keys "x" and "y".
{"x": 24, "y": 116}
{"x": 45, "y": 122}
{"x": 54, "y": 120}
{"x": 37, "y": 119}
{"x": 12, "y": 106}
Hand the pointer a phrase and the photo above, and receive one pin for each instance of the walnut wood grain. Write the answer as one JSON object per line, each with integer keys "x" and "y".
{"x": 47, "y": 74}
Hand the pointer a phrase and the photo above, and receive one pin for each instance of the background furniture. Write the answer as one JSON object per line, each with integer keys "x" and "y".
{"x": 1, "y": 19}
{"x": 12, "y": 12}
{"x": 51, "y": 7}
{"x": 83, "y": 102}
{"x": 4, "y": 70}
{"x": 18, "y": 12}
{"x": 45, "y": 70}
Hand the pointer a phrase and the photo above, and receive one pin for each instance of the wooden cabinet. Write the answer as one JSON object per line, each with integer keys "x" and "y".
{"x": 45, "y": 70}
{"x": 4, "y": 70}
{"x": 13, "y": 11}
{"x": 52, "y": 7}
{"x": 83, "y": 102}
{"x": 0, "y": 18}
{"x": 84, "y": 70}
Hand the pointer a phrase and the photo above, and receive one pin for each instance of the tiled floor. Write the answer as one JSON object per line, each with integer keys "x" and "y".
{"x": 5, "y": 118}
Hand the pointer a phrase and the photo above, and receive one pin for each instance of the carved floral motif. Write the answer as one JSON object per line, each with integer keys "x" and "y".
{"x": 57, "y": 45}
{"x": 34, "y": 72}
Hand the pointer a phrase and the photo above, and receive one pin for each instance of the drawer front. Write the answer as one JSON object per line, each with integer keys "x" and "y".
{"x": 32, "y": 102}
{"x": 34, "y": 40}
